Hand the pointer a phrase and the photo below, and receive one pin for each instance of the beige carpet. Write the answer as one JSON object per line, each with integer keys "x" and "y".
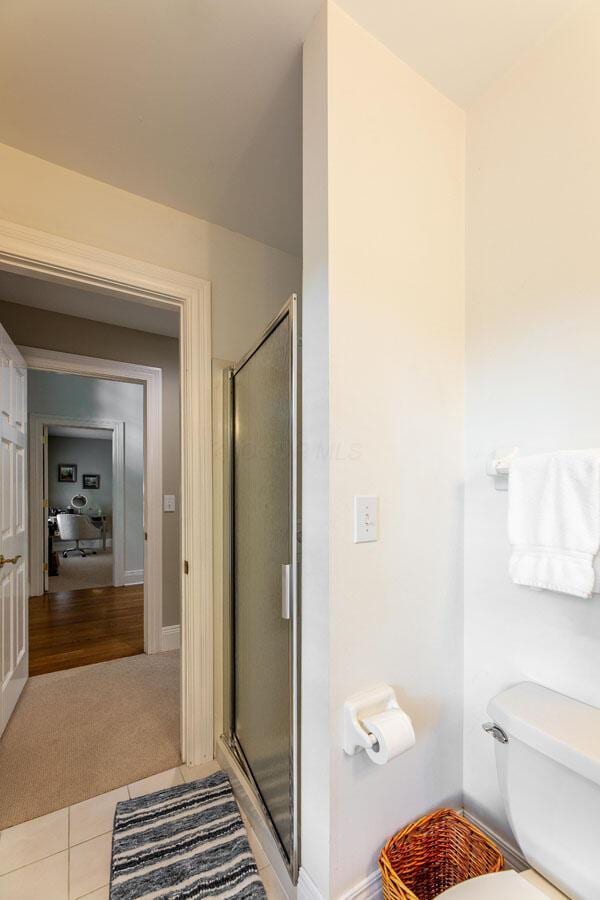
{"x": 76, "y": 573}
{"x": 81, "y": 732}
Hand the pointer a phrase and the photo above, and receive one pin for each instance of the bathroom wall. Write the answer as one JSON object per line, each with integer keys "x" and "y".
{"x": 315, "y": 673}
{"x": 384, "y": 275}
{"x": 74, "y": 397}
{"x": 250, "y": 281}
{"x": 533, "y": 370}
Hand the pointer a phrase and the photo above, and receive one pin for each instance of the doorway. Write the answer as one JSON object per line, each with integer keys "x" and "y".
{"x": 30, "y": 252}
{"x": 133, "y": 393}
{"x": 92, "y": 543}
{"x": 84, "y": 467}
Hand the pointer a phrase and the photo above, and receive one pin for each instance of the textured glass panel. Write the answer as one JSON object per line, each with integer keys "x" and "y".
{"x": 262, "y": 491}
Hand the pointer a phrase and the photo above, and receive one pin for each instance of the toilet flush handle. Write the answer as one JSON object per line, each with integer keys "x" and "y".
{"x": 496, "y": 732}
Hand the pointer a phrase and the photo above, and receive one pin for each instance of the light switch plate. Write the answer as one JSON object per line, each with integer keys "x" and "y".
{"x": 366, "y": 516}
{"x": 169, "y": 503}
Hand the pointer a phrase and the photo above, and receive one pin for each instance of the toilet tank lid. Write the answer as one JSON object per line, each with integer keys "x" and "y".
{"x": 564, "y": 729}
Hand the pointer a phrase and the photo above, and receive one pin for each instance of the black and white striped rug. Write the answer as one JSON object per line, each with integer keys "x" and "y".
{"x": 184, "y": 842}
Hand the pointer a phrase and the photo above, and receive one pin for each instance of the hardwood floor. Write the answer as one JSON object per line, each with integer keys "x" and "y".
{"x": 76, "y": 628}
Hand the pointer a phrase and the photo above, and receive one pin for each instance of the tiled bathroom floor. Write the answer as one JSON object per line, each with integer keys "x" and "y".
{"x": 65, "y": 855}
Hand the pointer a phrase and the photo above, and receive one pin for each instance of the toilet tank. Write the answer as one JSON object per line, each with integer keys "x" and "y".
{"x": 549, "y": 775}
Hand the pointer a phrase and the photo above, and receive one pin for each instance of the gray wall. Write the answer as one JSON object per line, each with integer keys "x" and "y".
{"x": 77, "y": 397}
{"x": 92, "y": 456}
{"x": 53, "y": 331}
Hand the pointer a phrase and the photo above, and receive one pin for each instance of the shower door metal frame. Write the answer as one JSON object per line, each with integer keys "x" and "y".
{"x": 291, "y": 310}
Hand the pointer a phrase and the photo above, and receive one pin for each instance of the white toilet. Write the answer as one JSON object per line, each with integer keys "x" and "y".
{"x": 548, "y": 763}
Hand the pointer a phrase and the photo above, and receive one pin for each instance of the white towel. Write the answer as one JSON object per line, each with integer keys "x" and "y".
{"x": 554, "y": 520}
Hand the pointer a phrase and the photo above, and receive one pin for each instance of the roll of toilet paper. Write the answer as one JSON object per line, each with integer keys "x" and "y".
{"x": 393, "y": 732}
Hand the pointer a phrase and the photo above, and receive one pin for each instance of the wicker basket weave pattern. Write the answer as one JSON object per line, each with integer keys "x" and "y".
{"x": 437, "y": 852}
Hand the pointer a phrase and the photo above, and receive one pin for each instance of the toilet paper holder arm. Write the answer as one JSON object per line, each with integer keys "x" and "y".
{"x": 361, "y": 705}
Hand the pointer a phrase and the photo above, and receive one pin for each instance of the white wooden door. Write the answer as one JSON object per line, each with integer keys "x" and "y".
{"x": 14, "y": 593}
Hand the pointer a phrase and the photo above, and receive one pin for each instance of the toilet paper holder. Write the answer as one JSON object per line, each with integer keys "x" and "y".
{"x": 361, "y": 705}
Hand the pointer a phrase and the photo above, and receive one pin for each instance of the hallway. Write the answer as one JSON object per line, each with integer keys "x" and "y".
{"x": 78, "y": 628}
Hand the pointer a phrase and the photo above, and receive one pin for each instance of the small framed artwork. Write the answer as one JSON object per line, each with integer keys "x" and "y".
{"x": 91, "y": 482}
{"x": 67, "y": 472}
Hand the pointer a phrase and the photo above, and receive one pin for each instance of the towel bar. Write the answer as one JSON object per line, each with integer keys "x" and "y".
{"x": 498, "y": 467}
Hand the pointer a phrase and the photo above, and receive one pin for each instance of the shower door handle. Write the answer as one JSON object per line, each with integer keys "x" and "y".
{"x": 286, "y": 591}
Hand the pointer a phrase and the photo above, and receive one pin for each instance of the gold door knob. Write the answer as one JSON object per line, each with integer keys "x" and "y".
{"x": 10, "y": 559}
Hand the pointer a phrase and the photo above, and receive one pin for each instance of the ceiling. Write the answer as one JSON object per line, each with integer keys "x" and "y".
{"x": 71, "y": 301}
{"x": 96, "y": 434}
{"x": 460, "y": 46}
{"x": 197, "y": 103}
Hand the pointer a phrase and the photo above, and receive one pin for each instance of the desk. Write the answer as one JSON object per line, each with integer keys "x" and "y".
{"x": 102, "y": 523}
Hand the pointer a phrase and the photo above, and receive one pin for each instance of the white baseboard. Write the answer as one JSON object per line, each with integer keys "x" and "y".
{"x": 133, "y": 576}
{"x": 512, "y": 855}
{"x": 307, "y": 889}
{"x": 367, "y": 889}
{"x": 171, "y": 637}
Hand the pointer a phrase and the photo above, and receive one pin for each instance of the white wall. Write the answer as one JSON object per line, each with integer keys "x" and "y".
{"x": 77, "y": 397}
{"x": 315, "y": 671}
{"x": 250, "y": 281}
{"x": 92, "y": 456}
{"x": 533, "y": 370}
{"x": 395, "y": 307}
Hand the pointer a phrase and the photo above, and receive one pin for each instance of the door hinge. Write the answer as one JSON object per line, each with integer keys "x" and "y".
{"x": 186, "y": 567}
{"x": 145, "y": 535}
{"x": 45, "y": 504}
{"x": 45, "y": 567}
{"x": 44, "y": 439}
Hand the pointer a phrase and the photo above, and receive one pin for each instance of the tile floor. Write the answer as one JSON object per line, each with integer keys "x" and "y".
{"x": 66, "y": 854}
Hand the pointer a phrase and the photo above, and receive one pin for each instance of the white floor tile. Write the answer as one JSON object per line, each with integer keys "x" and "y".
{"x": 156, "y": 783}
{"x": 272, "y": 884}
{"x": 89, "y": 866}
{"x": 47, "y": 878}
{"x": 33, "y": 840}
{"x": 192, "y": 773}
{"x": 259, "y": 854}
{"x": 100, "y": 894}
{"x": 93, "y": 817}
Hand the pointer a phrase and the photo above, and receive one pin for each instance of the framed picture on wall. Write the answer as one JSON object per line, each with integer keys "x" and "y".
{"x": 67, "y": 472}
{"x": 91, "y": 482}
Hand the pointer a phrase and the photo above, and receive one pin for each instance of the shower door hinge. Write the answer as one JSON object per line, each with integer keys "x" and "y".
{"x": 186, "y": 567}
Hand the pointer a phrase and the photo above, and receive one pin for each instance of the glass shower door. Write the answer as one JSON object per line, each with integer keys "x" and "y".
{"x": 264, "y": 563}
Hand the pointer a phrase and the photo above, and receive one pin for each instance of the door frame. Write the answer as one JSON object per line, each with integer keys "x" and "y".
{"x": 37, "y": 521}
{"x": 27, "y": 251}
{"x": 37, "y": 530}
{"x": 151, "y": 378}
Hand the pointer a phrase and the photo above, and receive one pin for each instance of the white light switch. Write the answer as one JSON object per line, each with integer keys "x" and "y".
{"x": 365, "y": 519}
{"x": 169, "y": 503}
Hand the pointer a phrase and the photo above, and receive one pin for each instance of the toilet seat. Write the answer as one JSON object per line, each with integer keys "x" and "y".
{"x": 507, "y": 885}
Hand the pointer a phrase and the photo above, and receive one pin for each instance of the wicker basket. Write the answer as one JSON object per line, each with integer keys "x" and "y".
{"x": 433, "y": 854}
